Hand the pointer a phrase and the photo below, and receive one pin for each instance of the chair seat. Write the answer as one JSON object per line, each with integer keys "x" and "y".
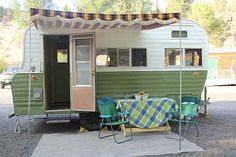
{"x": 118, "y": 122}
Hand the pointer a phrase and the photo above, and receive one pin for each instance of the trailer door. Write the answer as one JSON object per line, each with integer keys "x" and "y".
{"x": 82, "y": 73}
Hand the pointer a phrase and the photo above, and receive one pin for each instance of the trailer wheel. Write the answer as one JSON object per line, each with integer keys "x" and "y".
{"x": 90, "y": 120}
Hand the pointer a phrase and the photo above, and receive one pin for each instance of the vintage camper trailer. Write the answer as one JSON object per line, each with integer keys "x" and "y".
{"x": 73, "y": 61}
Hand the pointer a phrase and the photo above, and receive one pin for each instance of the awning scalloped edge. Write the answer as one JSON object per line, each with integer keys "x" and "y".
{"x": 102, "y": 22}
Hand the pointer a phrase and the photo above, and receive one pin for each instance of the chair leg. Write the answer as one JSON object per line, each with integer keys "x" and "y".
{"x": 167, "y": 128}
{"x": 101, "y": 125}
{"x": 196, "y": 128}
{"x": 185, "y": 130}
{"x": 119, "y": 142}
{"x": 18, "y": 127}
{"x": 99, "y": 134}
{"x": 131, "y": 132}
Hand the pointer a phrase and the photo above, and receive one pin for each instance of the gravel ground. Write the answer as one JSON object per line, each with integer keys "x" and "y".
{"x": 217, "y": 131}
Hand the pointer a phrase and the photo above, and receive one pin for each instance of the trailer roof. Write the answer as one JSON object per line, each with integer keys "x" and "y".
{"x": 75, "y": 20}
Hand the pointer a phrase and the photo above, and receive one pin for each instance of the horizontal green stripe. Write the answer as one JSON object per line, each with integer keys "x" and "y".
{"x": 156, "y": 83}
{"x": 117, "y": 84}
{"x": 20, "y": 92}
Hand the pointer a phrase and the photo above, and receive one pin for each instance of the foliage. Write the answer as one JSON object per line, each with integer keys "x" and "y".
{"x": 114, "y": 6}
{"x": 219, "y": 7}
{"x": 214, "y": 26}
{"x": 4, "y": 11}
{"x": 15, "y": 9}
{"x": 3, "y": 64}
{"x": 66, "y": 8}
{"x": 22, "y": 16}
{"x": 182, "y": 6}
{"x": 99, "y": 6}
{"x": 233, "y": 10}
{"x": 45, "y": 4}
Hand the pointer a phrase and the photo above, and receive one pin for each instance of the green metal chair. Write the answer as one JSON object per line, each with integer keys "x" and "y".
{"x": 110, "y": 117}
{"x": 189, "y": 111}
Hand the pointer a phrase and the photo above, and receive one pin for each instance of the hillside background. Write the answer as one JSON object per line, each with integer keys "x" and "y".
{"x": 217, "y": 17}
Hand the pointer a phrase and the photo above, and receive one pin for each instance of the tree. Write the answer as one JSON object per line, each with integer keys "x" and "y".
{"x": 22, "y": 16}
{"x": 98, "y": 6}
{"x": 204, "y": 15}
{"x": 181, "y": 6}
{"x": 4, "y": 11}
{"x": 43, "y": 4}
{"x": 114, "y": 6}
{"x": 124, "y": 6}
{"x": 15, "y": 9}
{"x": 66, "y": 8}
{"x": 233, "y": 18}
{"x": 3, "y": 64}
{"x": 220, "y": 7}
{"x": 141, "y": 6}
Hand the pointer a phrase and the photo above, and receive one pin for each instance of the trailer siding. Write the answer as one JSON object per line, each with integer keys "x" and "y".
{"x": 20, "y": 92}
{"x": 116, "y": 84}
{"x": 157, "y": 83}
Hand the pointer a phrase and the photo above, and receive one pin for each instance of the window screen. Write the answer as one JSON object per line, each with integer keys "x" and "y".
{"x": 139, "y": 57}
{"x": 123, "y": 57}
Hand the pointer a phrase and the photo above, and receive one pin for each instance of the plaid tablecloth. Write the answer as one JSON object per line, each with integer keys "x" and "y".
{"x": 148, "y": 113}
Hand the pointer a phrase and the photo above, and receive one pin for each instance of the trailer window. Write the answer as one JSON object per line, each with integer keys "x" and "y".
{"x": 172, "y": 56}
{"x": 62, "y": 56}
{"x": 123, "y": 57}
{"x": 112, "y": 57}
{"x": 193, "y": 57}
{"x": 101, "y": 59}
{"x": 139, "y": 57}
{"x": 107, "y": 57}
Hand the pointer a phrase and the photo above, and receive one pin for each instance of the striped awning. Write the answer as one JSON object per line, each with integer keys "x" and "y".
{"x": 75, "y": 20}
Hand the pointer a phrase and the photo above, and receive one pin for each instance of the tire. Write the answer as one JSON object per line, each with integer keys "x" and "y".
{"x": 90, "y": 120}
{"x": 2, "y": 86}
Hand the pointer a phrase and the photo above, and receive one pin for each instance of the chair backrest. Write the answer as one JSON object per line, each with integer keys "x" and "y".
{"x": 189, "y": 106}
{"x": 189, "y": 109}
{"x": 107, "y": 106}
{"x": 190, "y": 99}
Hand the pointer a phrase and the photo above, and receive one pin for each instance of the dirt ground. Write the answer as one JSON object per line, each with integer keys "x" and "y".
{"x": 217, "y": 130}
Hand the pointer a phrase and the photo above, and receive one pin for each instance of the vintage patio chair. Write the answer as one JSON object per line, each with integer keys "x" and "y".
{"x": 110, "y": 117}
{"x": 189, "y": 111}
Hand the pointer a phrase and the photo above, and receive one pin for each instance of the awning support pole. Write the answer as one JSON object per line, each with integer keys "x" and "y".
{"x": 205, "y": 100}
{"x": 180, "y": 86}
{"x": 29, "y": 96}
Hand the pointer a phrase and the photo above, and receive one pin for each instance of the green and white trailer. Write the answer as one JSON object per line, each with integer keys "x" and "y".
{"x": 69, "y": 62}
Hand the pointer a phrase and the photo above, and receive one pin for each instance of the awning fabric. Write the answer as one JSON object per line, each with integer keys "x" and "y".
{"x": 75, "y": 20}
